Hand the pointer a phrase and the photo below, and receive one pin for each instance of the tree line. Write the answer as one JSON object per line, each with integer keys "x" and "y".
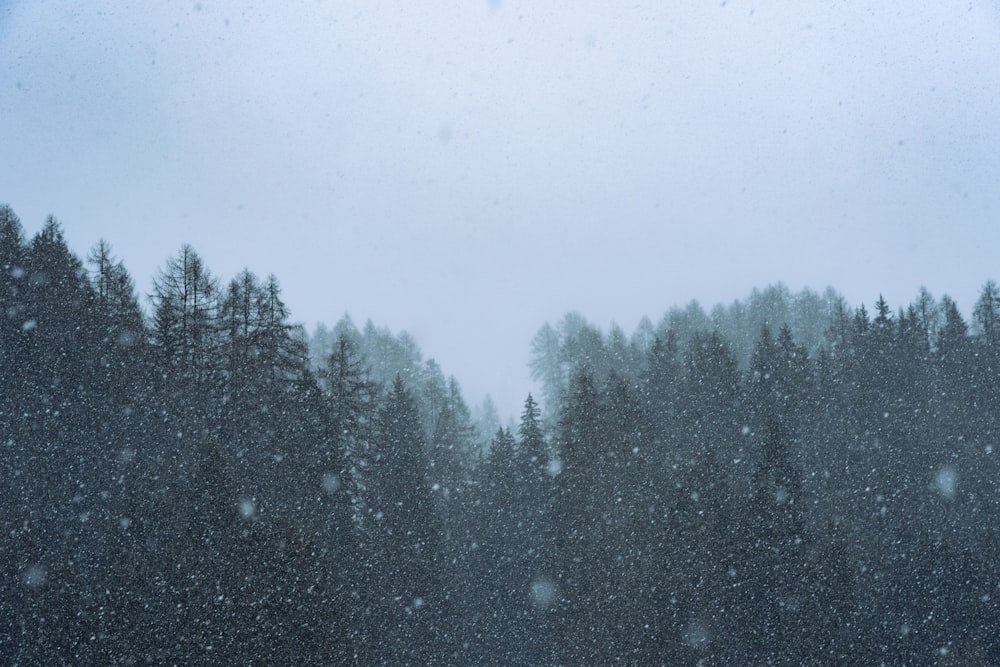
{"x": 210, "y": 484}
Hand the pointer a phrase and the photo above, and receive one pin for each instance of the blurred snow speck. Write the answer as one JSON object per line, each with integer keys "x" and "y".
{"x": 554, "y": 468}
{"x": 126, "y": 338}
{"x": 330, "y": 483}
{"x": 946, "y": 481}
{"x": 543, "y": 592}
{"x": 696, "y": 634}
{"x": 247, "y": 508}
{"x": 34, "y": 575}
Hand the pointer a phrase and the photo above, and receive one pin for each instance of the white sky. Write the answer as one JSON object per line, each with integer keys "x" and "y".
{"x": 469, "y": 170}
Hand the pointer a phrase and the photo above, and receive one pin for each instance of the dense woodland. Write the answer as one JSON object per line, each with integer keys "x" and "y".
{"x": 787, "y": 480}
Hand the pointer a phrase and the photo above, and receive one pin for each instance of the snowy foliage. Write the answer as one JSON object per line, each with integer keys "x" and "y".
{"x": 737, "y": 489}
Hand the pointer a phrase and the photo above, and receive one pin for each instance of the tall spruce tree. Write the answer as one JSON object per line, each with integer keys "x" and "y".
{"x": 580, "y": 521}
{"x": 405, "y": 595}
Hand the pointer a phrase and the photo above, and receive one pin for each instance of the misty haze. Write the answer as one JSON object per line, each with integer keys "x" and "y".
{"x": 487, "y": 333}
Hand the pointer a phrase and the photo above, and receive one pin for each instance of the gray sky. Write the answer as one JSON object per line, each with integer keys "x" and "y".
{"x": 469, "y": 170}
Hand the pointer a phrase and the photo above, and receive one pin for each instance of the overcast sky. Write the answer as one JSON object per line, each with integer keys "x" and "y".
{"x": 469, "y": 170}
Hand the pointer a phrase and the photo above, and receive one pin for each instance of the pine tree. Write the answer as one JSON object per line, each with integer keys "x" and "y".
{"x": 709, "y": 427}
{"x": 533, "y": 452}
{"x": 510, "y": 559}
{"x": 777, "y": 590}
{"x": 986, "y": 315}
{"x": 453, "y": 450}
{"x": 952, "y": 336}
{"x": 404, "y": 550}
{"x": 547, "y": 366}
{"x": 15, "y": 321}
{"x": 535, "y": 472}
{"x": 186, "y": 319}
{"x": 579, "y": 521}
{"x": 663, "y": 375}
{"x": 351, "y": 403}
{"x": 986, "y": 378}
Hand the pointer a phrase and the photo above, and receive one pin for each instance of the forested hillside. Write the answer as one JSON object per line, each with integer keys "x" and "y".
{"x": 789, "y": 480}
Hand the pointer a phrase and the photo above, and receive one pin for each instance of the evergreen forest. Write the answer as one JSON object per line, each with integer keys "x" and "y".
{"x": 194, "y": 479}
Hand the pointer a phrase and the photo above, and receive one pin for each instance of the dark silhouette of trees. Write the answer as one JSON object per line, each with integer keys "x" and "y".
{"x": 189, "y": 487}
{"x": 405, "y": 594}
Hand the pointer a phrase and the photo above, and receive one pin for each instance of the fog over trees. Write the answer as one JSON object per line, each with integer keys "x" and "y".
{"x": 193, "y": 479}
